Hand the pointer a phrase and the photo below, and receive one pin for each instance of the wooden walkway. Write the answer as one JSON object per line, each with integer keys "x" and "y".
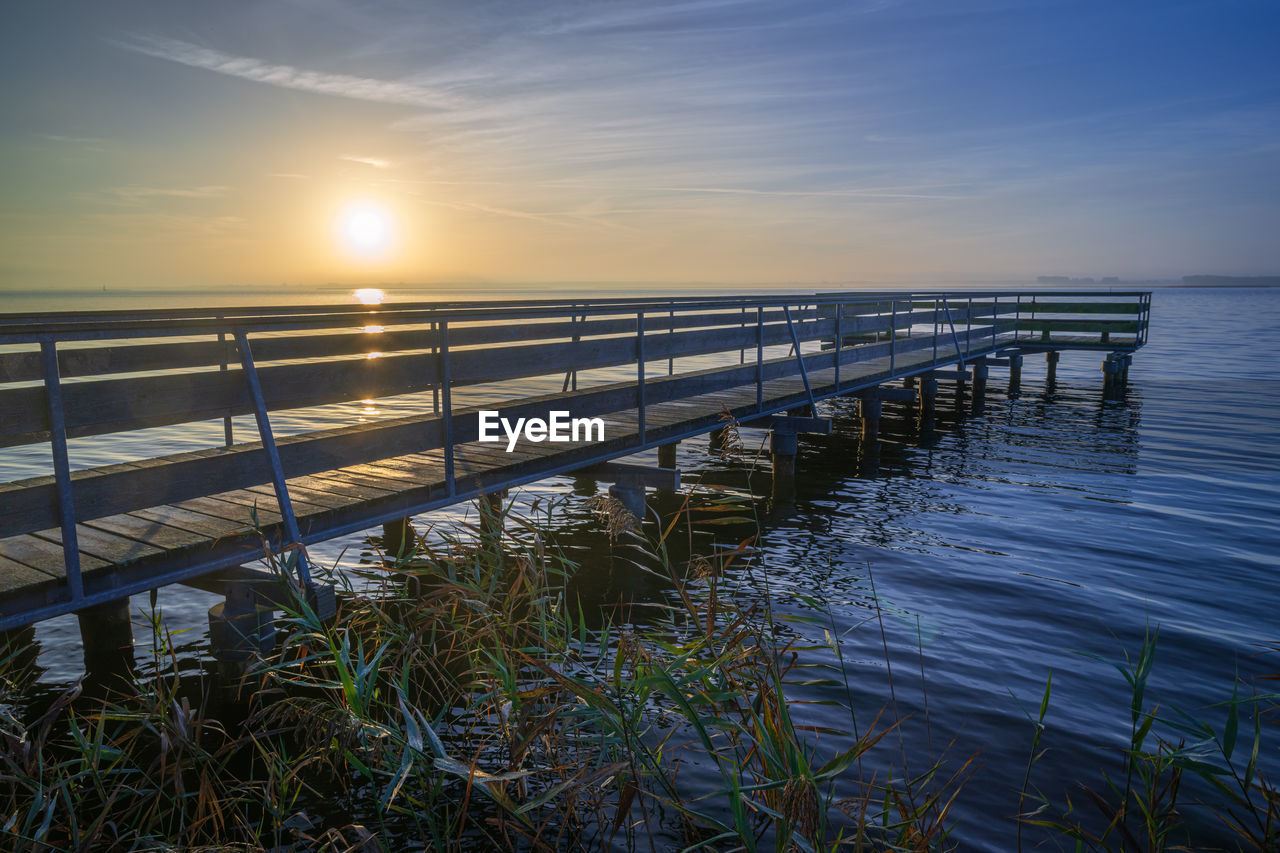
{"x": 76, "y": 538}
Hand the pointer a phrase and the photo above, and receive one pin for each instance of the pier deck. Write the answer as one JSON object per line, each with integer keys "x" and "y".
{"x": 81, "y": 537}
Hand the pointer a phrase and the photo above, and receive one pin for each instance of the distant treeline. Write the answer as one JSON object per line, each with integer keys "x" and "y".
{"x": 1066, "y": 279}
{"x": 1231, "y": 280}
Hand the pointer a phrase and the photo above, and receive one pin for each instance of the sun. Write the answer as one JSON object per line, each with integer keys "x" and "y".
{"x": 366, "y": 229}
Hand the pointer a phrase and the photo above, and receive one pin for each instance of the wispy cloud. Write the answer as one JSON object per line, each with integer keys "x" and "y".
{"x": 289, "y": 76}
{"x": 93, "y": 143}
{"x": 884, "y": 192}
{"x": 142, "y": 193}
{"x": 375, "y": 162}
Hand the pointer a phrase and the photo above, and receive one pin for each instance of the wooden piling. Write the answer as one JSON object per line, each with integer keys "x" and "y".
{"x": 1015, "y": 374}
{"x": 107, "y": 634}
{"x": 397, "y": 537}
{"x": 783, "y": 446}
{"x": 980, "y": 371}
{"x": 242, "y": 626}
{"x": 630, "y": 493}
{"x": 872, "y": 409}
{"x": 1112, "y": 388}
{"x": 667, "y": 455}
{"x": 492, "y": 508}
{"x": 928, "y": 402}
{"x": 1051, "y": 361}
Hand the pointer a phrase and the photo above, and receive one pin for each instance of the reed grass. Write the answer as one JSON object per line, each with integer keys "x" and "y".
{"x": 462, "y": 699}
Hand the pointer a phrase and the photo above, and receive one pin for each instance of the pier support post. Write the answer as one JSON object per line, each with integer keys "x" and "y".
{"x": 1051, "y": 362}
{"x": 242, "y": 626}
{"x": 928, "y": 402}
{"x": 397, "y": 537}
{"x": 980, "y": 371}
{"x": 667, "y": 455}
{"x": 872, "y": 409}
{"x": 107, "y": 634}
{"x": 1015, "y": 374}
{"x": 1112, "y": 376}
{"x": 783, "y": 446}
{"x": 492, "y": 516}
{"x": 629, "y": 491}
{"x": 629, "y": 482}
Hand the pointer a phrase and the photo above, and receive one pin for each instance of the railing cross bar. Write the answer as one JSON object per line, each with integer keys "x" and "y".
{"x": 954, "y": 337}
{"x": 804, "y": 374}
{"x": 61, "y": 467}
{"x": 278, "y": 481}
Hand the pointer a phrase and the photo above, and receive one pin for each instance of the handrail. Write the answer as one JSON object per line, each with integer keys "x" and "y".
{"x": 23, "y": 328}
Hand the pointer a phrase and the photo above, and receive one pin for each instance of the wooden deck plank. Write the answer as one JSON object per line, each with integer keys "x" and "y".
{"x": 302, "y": 496}
{"x": 149, "y": 531}
{"x": 108, "y": 548}
{"x": 188, "y": 519}
{"x": 348, "y": 488}
{"x": 15, "y": 576}
{"x": 230, "y": 511}
{"x": 44, "y": 556}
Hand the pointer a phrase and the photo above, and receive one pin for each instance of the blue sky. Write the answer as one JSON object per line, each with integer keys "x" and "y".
{"x": 197, "y": 144}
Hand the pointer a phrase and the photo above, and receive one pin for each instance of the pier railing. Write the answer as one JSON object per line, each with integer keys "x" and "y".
{"x": 78, "y": 375}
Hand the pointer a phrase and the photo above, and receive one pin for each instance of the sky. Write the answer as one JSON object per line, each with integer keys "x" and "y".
{"x": 304, "y": 142}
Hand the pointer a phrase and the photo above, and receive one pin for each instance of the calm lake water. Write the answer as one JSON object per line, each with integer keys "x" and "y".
{"x": 1053, "y": 524}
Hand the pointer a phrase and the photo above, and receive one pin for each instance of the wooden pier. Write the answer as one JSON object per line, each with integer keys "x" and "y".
{"x": 655, "y": 371}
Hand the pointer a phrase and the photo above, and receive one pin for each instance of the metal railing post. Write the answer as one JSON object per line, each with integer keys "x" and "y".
{"x": 671, "y": 330}
{"x": 577, "y": 338}
{"x": 640, "y": 401}
{"x": 273, "y": 456}
{"x": 968, "y": 328}
{"x": 435, "y": 391}
{"x": 227, "y": 431}
{"x": 995, "y": 315}
{"x": 839, "y": 341}
{"x": 937, "y": 329}
{"x": 61, "y": 467}
{"x": 893, "y": 334}
{"x": 759, "y": 358}
{"x": 573, "y": 336}
{"x": 446, "y": 402}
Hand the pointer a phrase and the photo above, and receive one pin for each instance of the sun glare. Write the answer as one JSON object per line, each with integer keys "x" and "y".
{"x": 369, "y": 296}
{"x": 365, "y": 229}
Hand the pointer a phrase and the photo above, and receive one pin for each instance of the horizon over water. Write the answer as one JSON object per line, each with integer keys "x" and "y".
{"x": 141, "y": 298}
{"x": 1051, "y": 527}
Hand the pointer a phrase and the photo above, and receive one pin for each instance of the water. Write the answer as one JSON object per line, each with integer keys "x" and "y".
{"x": 1052, "y": 525}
